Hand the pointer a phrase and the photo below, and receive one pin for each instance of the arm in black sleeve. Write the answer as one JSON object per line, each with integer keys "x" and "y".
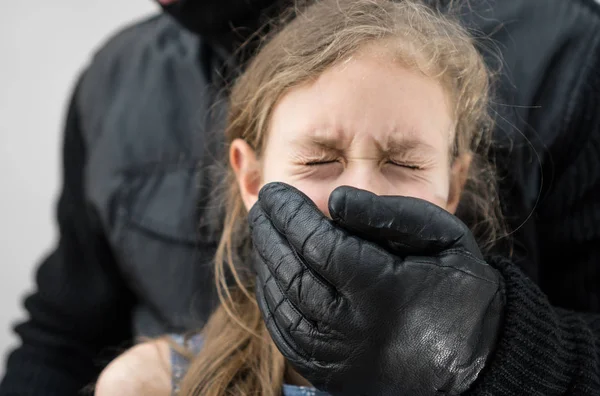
{"x": 81, "y": 307}
{"x": 542, "y": 350}
{"x": 550, "y": 343}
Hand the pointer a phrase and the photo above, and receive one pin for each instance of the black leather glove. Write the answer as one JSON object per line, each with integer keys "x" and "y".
{"x": 391, "y": 297}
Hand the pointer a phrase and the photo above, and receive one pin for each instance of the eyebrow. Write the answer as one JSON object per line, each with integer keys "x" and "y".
{"x": 403, "y": 145}
{"x": 393, "y": 146}
{"x": 329, "y": 142}
{"x": 326, "y": 143}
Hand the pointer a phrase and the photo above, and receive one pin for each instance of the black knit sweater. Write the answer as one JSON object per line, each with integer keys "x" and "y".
{"x": 550, "y": 340}
{"x": 543, "y": 350}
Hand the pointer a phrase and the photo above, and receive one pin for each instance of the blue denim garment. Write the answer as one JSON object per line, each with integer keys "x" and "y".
{"x": 179, "y": 366}
{"x": 293, "y": 390}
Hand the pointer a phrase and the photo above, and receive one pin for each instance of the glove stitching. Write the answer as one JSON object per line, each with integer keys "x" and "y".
{"x": 423, "y": 261}
{"x": 463, "y": 252}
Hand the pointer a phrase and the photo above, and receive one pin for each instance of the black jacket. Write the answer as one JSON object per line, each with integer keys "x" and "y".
{"x": 139, "y": 211}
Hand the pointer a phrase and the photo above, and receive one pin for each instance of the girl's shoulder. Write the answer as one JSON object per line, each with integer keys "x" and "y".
{"x": 141, "y": 370}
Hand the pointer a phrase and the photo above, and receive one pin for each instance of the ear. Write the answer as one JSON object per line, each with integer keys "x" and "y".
{"x": 458, "y": 178}
{"x": 247, "y": 171}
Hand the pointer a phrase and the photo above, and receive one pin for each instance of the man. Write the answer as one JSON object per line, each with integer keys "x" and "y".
{"x": 139, "y": 208}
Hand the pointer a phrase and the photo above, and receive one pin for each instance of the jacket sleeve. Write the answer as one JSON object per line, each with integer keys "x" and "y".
{"x": 80, "y": 312}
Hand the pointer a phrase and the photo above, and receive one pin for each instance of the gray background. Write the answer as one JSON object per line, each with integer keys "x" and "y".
{"x": 43, "y": 46}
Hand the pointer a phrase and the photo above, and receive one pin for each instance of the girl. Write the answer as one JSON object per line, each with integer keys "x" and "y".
{"x": 388, "y": 97}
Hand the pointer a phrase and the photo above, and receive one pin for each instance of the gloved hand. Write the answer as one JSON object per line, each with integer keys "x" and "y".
{"x": 391, "y": 297}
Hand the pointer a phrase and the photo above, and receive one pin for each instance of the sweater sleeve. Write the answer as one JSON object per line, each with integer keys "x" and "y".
{"x": 542, "y": 350}
{"x": 81, "y": 306}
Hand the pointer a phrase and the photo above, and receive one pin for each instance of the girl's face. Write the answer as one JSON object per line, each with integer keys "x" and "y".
{"x": 366, "y": 123}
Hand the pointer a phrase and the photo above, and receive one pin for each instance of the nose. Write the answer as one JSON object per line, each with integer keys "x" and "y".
{"x": 364, "y": 178}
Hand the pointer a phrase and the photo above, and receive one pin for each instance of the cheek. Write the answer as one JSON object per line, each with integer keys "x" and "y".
{"x": 430, "y": 185}
{"x": 319, "y": 194}
{"x": 435, "y": 189}
{"x": 317, "y": 191}
{"x": 426, "y": 193}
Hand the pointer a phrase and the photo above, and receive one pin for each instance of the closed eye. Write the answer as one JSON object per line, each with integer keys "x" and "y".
{"x": 405, "y": 165}
{"x": 315, "y": 163}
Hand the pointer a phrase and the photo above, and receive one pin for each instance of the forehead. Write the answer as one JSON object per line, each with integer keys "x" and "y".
{"x": 365, "y": 97}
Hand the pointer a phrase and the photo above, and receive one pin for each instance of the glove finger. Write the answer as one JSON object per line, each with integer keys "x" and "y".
{"x": 310, "y": 294}
{"x": 269, "y": 305}
{"x": 407, "y": 225}
{"x": 339, "y": 258}
{"x": 297, "y": 338}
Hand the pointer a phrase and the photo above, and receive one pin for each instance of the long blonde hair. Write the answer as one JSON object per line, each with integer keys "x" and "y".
{"x": 238, "y": 356}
